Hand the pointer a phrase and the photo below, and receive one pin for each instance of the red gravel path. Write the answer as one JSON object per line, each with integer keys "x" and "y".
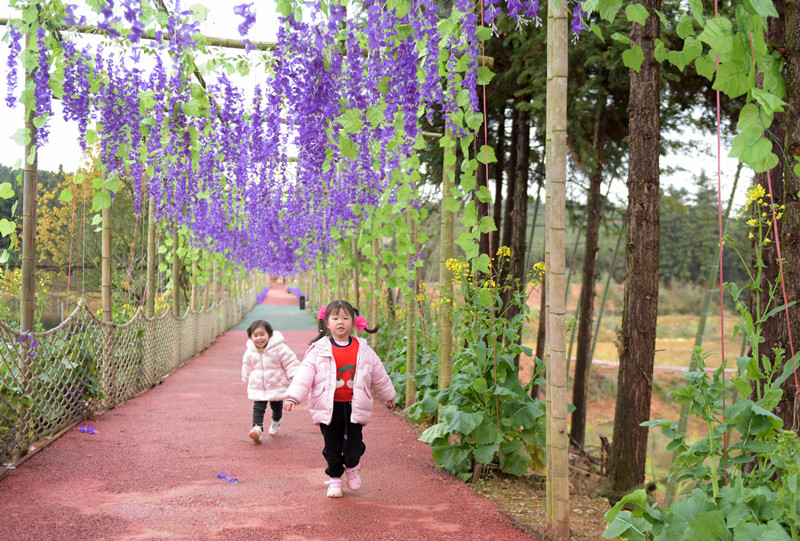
{"x": 150, "y": 472}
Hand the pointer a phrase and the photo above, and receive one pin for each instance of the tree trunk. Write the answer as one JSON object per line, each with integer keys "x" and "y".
{"x": 540, "y": 332}
{"x": 556, "y": 167}
{"x": 583, "y": 361}
{"x": 499, "y": 167}
{"x": 788, "y": 408}
{"x": 759, "y": 299}
{"x": 151, "y": 257}
{"x": 511, "y": 184}
{"x": 520, "y": 221}
{"x": 638, "y": 334}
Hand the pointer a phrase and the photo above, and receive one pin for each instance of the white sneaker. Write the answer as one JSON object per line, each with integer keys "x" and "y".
{"x": 334, "y": 487}
{"x": 255, "y": 434}
{"x": 274, "y": 428}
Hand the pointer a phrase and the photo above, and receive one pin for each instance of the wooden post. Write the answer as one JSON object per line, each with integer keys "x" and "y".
{"x": 556, "y": 170}
{"x": 375, "y": 297}
{"x": 30, "y": 180}
{"x": 176, "y": 270}
{"x": 446, "y": 291}
{"x": 151, "y": 258}
{"x": 105, "y": 270}
{"x": 411, "y": 327}
{"x": 193, "y": 305}
{"x": 356, "y": 274}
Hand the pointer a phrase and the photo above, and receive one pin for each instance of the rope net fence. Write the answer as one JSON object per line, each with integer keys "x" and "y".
{"x": 52, "y": 379}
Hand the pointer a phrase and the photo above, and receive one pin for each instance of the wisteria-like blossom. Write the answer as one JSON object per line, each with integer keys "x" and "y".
{"x": 15, "y": 46}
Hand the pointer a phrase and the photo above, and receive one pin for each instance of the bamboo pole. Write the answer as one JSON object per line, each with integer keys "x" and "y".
{"x": 193, "y": 305}
{"x": 375, "y": 297}
{"x": 151, "y": 258}
{"x": 105, "y": 271}
{"x": 356, "y": 274}
{"x": 446, "y": 291}
{"x": 411, "y": 319}
{"x": 556, "y": 168}
{"x": 176, "y": 269}
{"x": 30, "y": 179}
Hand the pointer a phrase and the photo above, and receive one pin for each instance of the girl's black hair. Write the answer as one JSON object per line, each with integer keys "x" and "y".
{"x": 259, "y": 323}
{"x": 333, "y": 308}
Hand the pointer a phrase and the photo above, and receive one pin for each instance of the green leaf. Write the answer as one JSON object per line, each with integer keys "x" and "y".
{"x": 696, "y": 7}
{"x": 709, "y": 526}
{"x": 351, "y": 121}
{"x": 449, "y": 455}
{"x": 633, "y": 58}
{"x": 21, "y": 136}
{"x": 718, "y": 35}
{"x": 101, "y": 201}
{"x": 486, "y": 155}
{"x": 463, "y": 422}
{"x": 627, "y": 524}
{"x": 485, "y": 297}
{"x": 199, "y": 13}
{"x": 770, "y": 102}
{"x": 485, "y": 453}
{"x": 765, "y": 8}
{"x": 470, "y": 218}
{"x": 757, "y": 155}
{"x": 485, "y": 75}
{"x": 705, "y": 67}
{"x": 636, "y": 13}
{"x": 348, "y": 147}
{"x": 685, "y": 27}
{"x": 91, "y": 137}
{"x": 608, "y": 9}
{"x": 6, "y": 190}
{"x": 32, "y": 155}
{"x": 483, "y": 33}
{"x": 65, "y": 196}
{"x": 622, "y": 38}
{"x": 375, "y": 115}
{"x": 597, "y": 32}
{"x": 733, "y": 78}
{"x": 6, "y": 227}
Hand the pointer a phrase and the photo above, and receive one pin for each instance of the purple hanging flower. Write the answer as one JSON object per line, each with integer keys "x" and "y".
{"x": 15, "y": 46}
{"x": 43, "y": 96}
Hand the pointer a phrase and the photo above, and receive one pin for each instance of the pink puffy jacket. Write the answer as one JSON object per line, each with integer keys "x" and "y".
{"x": 268, "y": 374}
{"x": 316, "y": 379}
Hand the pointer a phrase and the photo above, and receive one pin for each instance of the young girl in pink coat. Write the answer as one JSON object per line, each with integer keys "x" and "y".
{"x": 338, "y": 374}
{"x": 268, "y": 367}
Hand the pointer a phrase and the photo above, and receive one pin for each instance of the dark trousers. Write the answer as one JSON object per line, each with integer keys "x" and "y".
{"x": 344, "y": 444}
{"x": 260, "y": 406}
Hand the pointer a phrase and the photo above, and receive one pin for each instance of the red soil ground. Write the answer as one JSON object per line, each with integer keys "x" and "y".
{"x": 150, "y": 472}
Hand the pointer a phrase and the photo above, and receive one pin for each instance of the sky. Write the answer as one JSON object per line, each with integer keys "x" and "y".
{"x": 63, "y": 150}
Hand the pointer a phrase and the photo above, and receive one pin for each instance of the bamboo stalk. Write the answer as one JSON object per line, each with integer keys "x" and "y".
{"x": 176, "y": 269}
{"x": 556, "y": 168}
{"x": 105, "y": 286}
{"x": 151, "y": 258}
{"x": 446, "y": 292}
{"x": 411, "y": 327}
{"x": 375, "y": 297}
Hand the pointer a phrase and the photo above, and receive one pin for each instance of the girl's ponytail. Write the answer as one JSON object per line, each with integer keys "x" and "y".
{"x": 335, "y": 307}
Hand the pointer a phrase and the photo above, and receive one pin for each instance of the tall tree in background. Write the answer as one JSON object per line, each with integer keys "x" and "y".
{"x": 640, "y": 305}
{"x": 788, "y": 408}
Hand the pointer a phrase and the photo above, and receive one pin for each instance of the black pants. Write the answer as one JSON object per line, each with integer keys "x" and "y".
{"x": 344, "y": 444}
{"x": 260, "y": 406}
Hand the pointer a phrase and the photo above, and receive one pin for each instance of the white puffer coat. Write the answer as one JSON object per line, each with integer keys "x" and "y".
{"x": 269, "y": 374}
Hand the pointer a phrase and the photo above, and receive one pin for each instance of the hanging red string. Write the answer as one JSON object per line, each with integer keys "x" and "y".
{"x": 721, "y": 281}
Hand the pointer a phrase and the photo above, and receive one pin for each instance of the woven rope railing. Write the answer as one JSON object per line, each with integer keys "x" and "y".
{"x": 50, "y": 380}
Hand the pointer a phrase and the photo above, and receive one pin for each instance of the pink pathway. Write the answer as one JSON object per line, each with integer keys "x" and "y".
{"x": 150, "y": 472}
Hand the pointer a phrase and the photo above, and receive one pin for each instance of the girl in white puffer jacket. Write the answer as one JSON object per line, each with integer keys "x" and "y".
{"x": 268, "y": 367}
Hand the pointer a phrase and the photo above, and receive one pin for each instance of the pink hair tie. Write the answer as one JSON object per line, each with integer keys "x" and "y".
{"x": 361, "y": 323}
{"x": 321, "y": 312}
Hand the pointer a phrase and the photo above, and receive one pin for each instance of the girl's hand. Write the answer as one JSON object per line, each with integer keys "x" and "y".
{"x": 288, "y": 406}
{"x": 390, "y": 403}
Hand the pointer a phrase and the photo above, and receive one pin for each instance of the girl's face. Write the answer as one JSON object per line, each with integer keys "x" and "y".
{"x": 260, "y": 337}
{"x": 340, "y": 323}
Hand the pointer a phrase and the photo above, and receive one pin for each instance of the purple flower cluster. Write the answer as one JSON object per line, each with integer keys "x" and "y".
{"x": 86, "y": 429}
{"x": 578, "y": 18}
{"x": 15, "y": 46}
{"x": 41, "y": 78}
{"x": 232, "y": 480}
